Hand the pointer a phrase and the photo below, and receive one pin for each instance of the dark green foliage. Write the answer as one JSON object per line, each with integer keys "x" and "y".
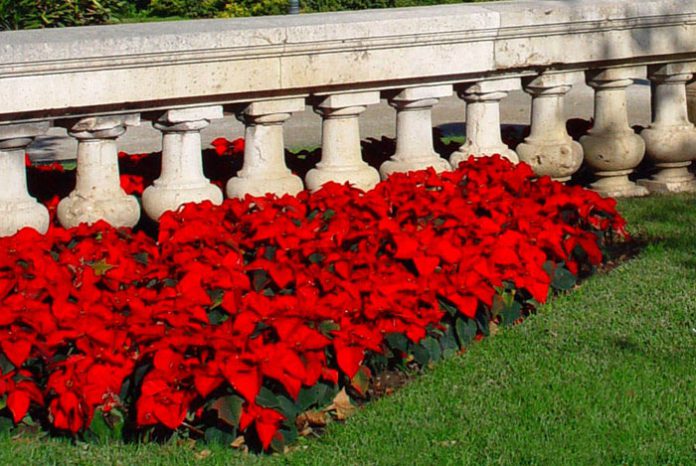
{"x": 34, "y": 14}
{"x": 337, "y": 5}
{"x": 186, "y": 8}
{"x": 236, "y": 8}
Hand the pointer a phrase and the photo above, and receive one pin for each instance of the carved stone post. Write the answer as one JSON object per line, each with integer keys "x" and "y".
{"x": 611, "y": 148}
{"x": 17, "y": 208}
{"x": 691, "y": 101}
{"x": 414, "y": 130}
{"x": 483, "y": 120}
{"x": 264, "y": 169}
{"x": 670, "y": 141}
{"x": 341, "y": 159}
{"x": 549, "y": 149}
{"x": 98, "y": 194}
{"x": 182, "y": 179}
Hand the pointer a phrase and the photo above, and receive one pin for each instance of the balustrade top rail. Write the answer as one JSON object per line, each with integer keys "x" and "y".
{"x": 112, "y": 69}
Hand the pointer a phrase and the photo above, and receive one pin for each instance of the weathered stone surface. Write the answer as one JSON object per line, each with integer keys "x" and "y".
{"x": 670, "y": 141}
{"x": 264, "y": 169}
{"x": 545, "y": 33}
{"x": 98, "y": 194}
{"x": 691, "y": 101}
{"x": 414, "y": 131}
{"x": 83, "y": 71}
{"x": 185, "y": 71}
{"x": 611, "y": 147}
{"x": 549, "y": 149}
{"x": 483, "y": 136}
{"x": 17, "y": 208}
{"x": 182, "y": 179}
{"x": 341, "y": 158}
{"x": 11, "y": 133}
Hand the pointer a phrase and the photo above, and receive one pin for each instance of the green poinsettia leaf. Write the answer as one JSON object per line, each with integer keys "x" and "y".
{"x": 563, "y": 279}
{"x": 433, "y": 347}
{"x": 466, "y": 331}
{"x": 100, "y": 267}
{"x": 267, "y": 398}
{"x": 229, "y": 409}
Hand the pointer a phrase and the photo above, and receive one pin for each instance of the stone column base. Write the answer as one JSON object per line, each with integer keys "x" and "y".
{"x": 468, "y": 150}
{"x": 158, "y": 199}
{"x": 668, "y": 187}
{"x": 259, "y": 187}
{"x": 552, "y": 159}
{"x": 17, "y": 214}
{"x": 120, "y": 210}
{"x": 404, "y": 166}
{"x": 361, "y": 177}
{"x": 671, "y": 179}
{"x": 618, "y": 185}
{"x": 17, "y": 208}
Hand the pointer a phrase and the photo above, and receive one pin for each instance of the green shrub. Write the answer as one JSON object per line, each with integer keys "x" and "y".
{"x": 34, "y": 14}
{"x": 186, "y": 8}
{"x": 236, "y": 8}
{"x": 337, "y": 5}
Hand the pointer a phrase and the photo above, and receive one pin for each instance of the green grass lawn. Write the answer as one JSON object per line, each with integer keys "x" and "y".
{"x": 603, "y": 375}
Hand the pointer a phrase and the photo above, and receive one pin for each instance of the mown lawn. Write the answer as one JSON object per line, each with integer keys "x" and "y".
{"x": 603, "y": 375}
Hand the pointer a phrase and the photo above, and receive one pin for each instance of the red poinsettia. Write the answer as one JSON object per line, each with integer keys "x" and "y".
{"x": 274, "y": 294}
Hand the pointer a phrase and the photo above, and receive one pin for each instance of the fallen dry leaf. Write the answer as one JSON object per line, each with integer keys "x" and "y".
{"x": 311, "y": 419}
{"x": 238, "y": 442}
{"x": 203, "y": 454}
{"x": 187, "y": 443}
{"x": 341, "y": 406}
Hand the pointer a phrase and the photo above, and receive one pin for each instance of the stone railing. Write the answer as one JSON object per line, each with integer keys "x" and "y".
{"x": 98, "y": 81}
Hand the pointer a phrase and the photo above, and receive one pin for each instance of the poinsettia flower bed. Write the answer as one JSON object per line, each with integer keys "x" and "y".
{"x": 247, "y": 319}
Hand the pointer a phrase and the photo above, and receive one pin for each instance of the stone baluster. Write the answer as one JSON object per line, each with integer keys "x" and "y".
{"x": 483, "y": 136}
{"x": 611, "y": 148}
{"x": 98, "y": 194}
{"x": 691, "y": 101}
{"x": 414, "y": 130}
{"x": 549, "y": 149}
{"x": 264, "y": 169}
{"x": 341, "y": 159}
{"x": 182, "y": 179}
{"x": 670, "y": 141}
{"x": 17, "y": 208}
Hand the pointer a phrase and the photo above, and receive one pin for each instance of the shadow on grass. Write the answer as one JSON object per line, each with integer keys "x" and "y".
{"x": 665, "y": 225}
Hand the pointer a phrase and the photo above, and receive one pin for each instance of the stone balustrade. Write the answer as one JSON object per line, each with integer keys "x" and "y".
{"x": 98, "y": 81}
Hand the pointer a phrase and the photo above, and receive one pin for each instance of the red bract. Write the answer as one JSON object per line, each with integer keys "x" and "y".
{"x": 223, "y": 146}
{"x": 266, "y": 421}
{"x": 274, "y": 294}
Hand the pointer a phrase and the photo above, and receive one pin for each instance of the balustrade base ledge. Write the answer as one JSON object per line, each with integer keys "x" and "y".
{"x": 669, "y": 187}
{"x": 618, "y": 186}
